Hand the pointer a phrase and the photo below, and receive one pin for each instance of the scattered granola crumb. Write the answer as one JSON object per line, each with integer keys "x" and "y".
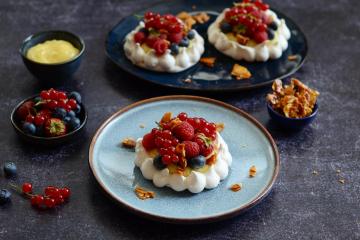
{"x": 193, "y": 7}
{"x": 201, "y": 18}
{"x": 143, "y": 194}
{"x": 292, "y": 57}
{"x": 236, "y": 187}
{"x": 220, "y": 127}
{"x": 342, "y": 181}
{"x": 252, "y": 171}
{"x": 338, "y": 171}
{"x": 240, "y": 72}
{"x": 189, "y": 20}
{"x": 141, "y": 125}
{"x": 128, "y": 143}
{"x": 188, "y": 80}
{"x": 208, "y": 61}
{"x": 315, "y": 172}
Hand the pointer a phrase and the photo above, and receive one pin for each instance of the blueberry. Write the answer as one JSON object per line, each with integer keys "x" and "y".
{"x": 77, "y": 109}
{"x": 225, "y": 27}
{"x": 76, "y": 96}
{"x": 197, "y": 162}
{"x": 59, "y": 113}
{"x": 174, "y": 49}
{"x": 158, "y": 164}
{"x": 144, "y": 30}
{"x": 29, "y": 128}
{"x": 71, "y": 114}
{"x": 273, "y": 25}
{"x": 4, "y": 196}
{"x": 271, "y": 34}
{"x": 10, "y": 169}
{"x": 184, "y": 42}
{"x": 74, "y": 123}
{"x": 67, "y": 119}
{"x": 191, "y": 34}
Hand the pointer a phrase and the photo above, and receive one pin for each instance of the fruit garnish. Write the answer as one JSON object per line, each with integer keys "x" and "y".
{"x": 10, "y": 169}
{"x": 184, "y": 131}
{"x": 54, "y": 127}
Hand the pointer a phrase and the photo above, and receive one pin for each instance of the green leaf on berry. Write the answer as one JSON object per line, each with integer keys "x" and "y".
{"x": 139, "y": 17}
{"x": 205, "y": 139}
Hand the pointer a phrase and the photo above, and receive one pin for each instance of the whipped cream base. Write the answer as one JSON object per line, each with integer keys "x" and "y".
{"x": 269, "y": 49}
{"x": 186, "y": 58}
{"x": 196, "y": 181}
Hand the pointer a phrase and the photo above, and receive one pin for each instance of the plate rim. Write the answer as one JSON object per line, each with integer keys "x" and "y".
{"x": 213, "y": 218}
{"x": 235, "y": 89}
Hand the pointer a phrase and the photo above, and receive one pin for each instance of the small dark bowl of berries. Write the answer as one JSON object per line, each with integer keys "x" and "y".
{"x": 50, "y": 118}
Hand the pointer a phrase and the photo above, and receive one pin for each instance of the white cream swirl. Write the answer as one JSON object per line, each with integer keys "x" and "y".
{"x": 186, "y": 58}
{"x": 269, "y": 49}
{"x": 196, "y": 181}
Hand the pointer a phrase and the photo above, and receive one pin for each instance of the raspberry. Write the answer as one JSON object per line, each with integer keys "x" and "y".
{"x": 192, "y": 149}
{"x": 184, "y": 131}
{"x": 150, "y": 41}
{"x": 207, "y": 151}
{"x": 160, "y": 46}
{"x": 148, "y": 142}
{"x": 175, "y": 37}
{"x": 139, "y": 37}
{"x": 260, "y": 37}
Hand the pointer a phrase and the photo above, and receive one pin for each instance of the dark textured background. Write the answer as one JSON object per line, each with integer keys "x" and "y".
{"x": 301, "y": 205}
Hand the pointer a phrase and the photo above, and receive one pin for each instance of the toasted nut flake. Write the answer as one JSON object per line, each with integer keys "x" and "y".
{"x": 315, "y": 172}
{"x": 342, "y": 181}
{"x": 189, "y": 20}
{"x": 201, "y": 17}
{"x": 240, "y": 72}
{"x": 188, "y": 80}
{"x": 166, "y": 118}
{"x": 220, "y": 127}
{"x": 242, "y": 39}
{"x": 208, "y": 61}
{"x": 292, "y": 57}
{"x": 212, "y": 160}
{"x": 236, "y": 187}
{"x": 128, "y": 143}
{"x": 252, "y": 171}
{"x": 141, "y": 125}
{"x": 143, "y": 194}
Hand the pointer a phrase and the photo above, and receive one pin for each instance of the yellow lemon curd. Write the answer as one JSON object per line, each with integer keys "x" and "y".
{"x": 52, "y": 51}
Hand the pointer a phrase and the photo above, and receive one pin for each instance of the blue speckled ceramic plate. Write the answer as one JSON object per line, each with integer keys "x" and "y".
{"x": 249, "y": 143}
{"x": 205, "y": 78}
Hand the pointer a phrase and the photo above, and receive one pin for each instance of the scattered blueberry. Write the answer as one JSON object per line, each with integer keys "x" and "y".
{"x": 158, "y": 164}
{"x": 197, "y": 162}
{"x": 273, "y": 25}
{"x": 4, "y": 196}
{"x": 271, "y": 34}
{"x": 71, "y": 114}
{"x": 67, "y": 119}
{"x": 77, "y": 109}
{"x": 76, "y": 96}
{"x": 10, "y": 169}
{"x": 74, "y": 123}
{"x": 191, "y": 34}
{"x": 59, "y": 113}
{"x": 225, "y": 27}
{"x": 29, "y": 128}
{"x": 184, "y": 42}
{"x": 174, "y": 48}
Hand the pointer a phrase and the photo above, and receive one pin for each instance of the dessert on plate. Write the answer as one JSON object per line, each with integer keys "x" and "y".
{"x": 249, "y": 31}
{"x": 183, "y": 153}
{"x": 163, "y": 43}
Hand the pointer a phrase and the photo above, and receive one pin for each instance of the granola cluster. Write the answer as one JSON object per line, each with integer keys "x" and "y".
{"x": 294, "y": 101}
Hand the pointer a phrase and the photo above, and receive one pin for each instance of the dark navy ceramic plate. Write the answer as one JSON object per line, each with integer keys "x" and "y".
{"x": 204, "y": 78}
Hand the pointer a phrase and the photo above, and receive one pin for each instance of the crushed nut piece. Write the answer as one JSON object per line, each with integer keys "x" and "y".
{"x": 338, "y": 171}
{"x": 128, "y": 143}
{"x": 236, "y": 187}
{"x": 342, "y": 181}
{"x": 141, "y": 125}
{"x": 208, "y": 61}
{"x": 242, "y": 39}
{"x": 212, "y": 160}
{"x": 201, "y": 17}
{"x": 189, "y": 20}
{"x": 252, "y": 171}
{"x": 294, "y": 101}
{"x": 143, "y": 194}
{"x": 315, "y": 172}
{"x": 240, "y": 72}
{"x": 166, "y": 118}
{"x": 188, "y": 80}
{"x": 220, "y": 127}
{"x": 292, "y": 57}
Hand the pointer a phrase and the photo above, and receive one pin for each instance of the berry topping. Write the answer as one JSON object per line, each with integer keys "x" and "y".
{"x": 148, "y": 142}
{"x": 160, "y": 46}
{"x": 158, "y": 164}
{"x": 191, "y": 35}
{"x": 192, "y": 149}
{"x": 271, "y": 34}
{"x": 197, "y": 162}
{"x": 184, "y": 42}
{"x": 10, "y": 169}
{"x": 76, "y": 96}
{"x": 184, "y": 131}
{"x": 174, "y": 48}
{"x": 139, "y": 37}
{"x": 29, "y": 128}
{"x": 25, "y": 109}
{"x": 37, "y": 200}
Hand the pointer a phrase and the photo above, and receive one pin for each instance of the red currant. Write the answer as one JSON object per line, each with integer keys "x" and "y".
{"x": 39, "y": 120}
{"x": 59, "y": 199}
{"x": 52, "y": 192}
{"x": 139, "y": 37}
{"x": 49, "y": 202}
{"x": 174, "y": 158}
{"x": 53, "y": 94}
{"x": 182, "y": 116}
{"x": 166, "y": 159}
{"x": 166, "y": 134}
{"x": 37, "y": 200}
{"x": 52, "y": 104}
{"x": 155, "y": 132}
{"x": 72, "y": 103}
{"x": 211, "y": 127}
{"x": 29, "y": 118}
{"x": 61, "y": 95}
{"x": 27, "y": 188}
{"x": 44, "y": 95}
{"x": 174, "y": 142}
{"x": 167, "y": 143}
{"x": 62, "y": 103}
{"x": 159, "y": 142}
{"x": 65, "y": 192}
{"x": 163, "y": 151}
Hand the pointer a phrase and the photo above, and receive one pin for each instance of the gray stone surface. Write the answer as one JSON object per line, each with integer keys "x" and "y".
{"x": 301, "y": 205}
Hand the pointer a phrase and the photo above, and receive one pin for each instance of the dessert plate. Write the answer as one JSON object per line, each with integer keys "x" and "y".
{"x": 205, "y": 78}
{"x": 249, "y": 143}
